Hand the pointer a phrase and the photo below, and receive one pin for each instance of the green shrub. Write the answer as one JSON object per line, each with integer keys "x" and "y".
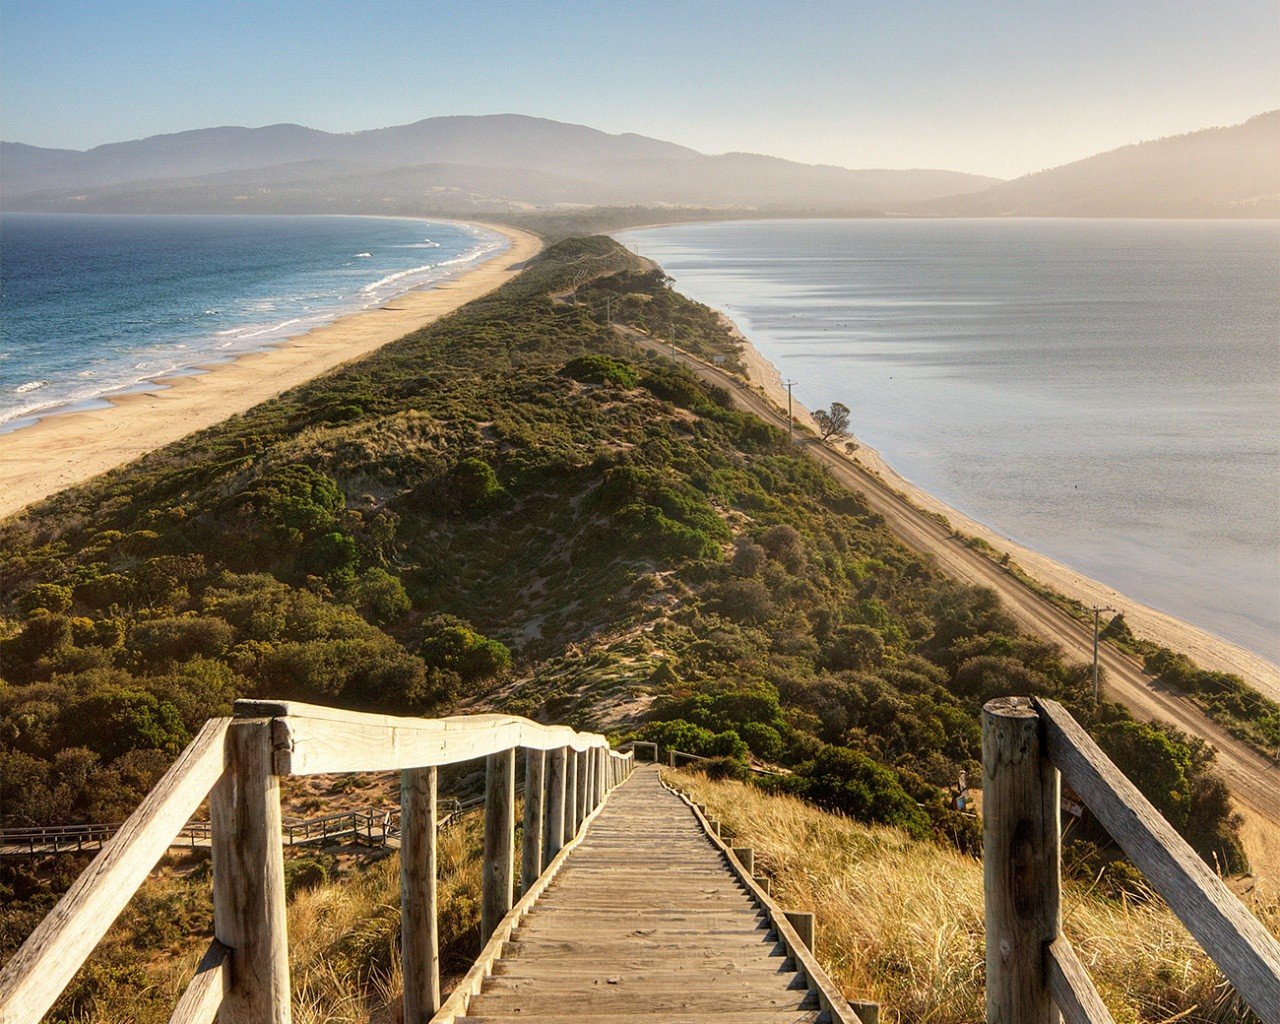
{"x": 452, "y": 645}
{"x": 473, "y": 484}
{"x": 596, "y": 369}
{"x": 848, "y": 781}
{"x": 379, "y": 596}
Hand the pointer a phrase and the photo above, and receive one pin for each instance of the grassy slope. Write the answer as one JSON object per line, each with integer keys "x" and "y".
{"x": 900, "y": 921}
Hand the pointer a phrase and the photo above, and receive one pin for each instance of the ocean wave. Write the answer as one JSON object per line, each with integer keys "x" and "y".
{"x": 267, "y": 322}
{"x": 399, "y": 275}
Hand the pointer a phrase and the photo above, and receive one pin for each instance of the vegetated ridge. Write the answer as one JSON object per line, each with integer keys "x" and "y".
{"x": 516, "y": 507}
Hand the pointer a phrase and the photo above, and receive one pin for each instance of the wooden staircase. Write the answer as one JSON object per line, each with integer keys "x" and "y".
{"x": 647, "y": 923}
{"x": 631, "y": 907}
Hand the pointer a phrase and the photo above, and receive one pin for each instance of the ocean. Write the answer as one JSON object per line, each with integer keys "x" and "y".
{"x": 1106, "y": 392}
{"x": 100, "y": 305}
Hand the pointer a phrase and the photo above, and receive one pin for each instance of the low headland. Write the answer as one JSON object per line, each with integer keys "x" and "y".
{"x": 528, "y": 507}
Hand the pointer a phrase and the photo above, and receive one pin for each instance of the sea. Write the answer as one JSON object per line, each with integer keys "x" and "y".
{"x": 1106, "y": 392}
{"x": 94, "y": 306}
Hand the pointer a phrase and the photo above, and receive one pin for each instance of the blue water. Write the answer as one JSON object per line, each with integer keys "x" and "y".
{"x": 98, "y": 305}
{"x": 1107, "y": 392}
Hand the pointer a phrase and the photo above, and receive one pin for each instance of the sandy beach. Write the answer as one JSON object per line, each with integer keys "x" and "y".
{"x": 1208, "y": 650}
{"x": 64, "y": 450}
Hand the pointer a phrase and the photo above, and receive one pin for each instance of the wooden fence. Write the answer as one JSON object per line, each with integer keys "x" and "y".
{"x": 237, "y": 763}
{"x": 1028, "y": 747}
{"x": 366, "y": 826}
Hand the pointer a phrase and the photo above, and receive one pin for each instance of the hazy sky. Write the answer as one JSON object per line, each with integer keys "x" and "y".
{"x": 991, "y": 87}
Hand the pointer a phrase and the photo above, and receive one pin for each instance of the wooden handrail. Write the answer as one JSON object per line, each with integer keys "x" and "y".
{"x": 237, "y": 762}
{"x": 36, "y": 975}
{"x": 1028, "y": 744}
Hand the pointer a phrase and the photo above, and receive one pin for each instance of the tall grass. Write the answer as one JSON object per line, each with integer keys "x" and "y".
{"x": 343, "y": 942}
{"x": 900, "y": 921}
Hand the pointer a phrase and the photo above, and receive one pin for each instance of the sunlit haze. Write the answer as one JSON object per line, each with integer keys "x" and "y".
{"x": 992, "y": 88}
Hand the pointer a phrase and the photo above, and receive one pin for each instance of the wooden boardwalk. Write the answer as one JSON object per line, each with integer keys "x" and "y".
{"x": 646, "y": 922}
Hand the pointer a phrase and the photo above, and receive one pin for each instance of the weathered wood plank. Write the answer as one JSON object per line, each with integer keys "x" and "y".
{"x": 311, "y": 739}
{"x": 37, "y": 973}
{"x": 571, "y": 802}
{"x": 419, "y": 939}
{"x": 535, "y": 790}
{"x": 553, "y": 830}
{"x": 1236, "y": 940}
{"x": 203, "y": 996}
{"x": 1020, "y": 862}
{"x": 499, "y": 840}
{"x": 1073, "y": 992}
{"x": 584, "y": 801}
{"x": 248, "y": 879}
{"x": 831, "y": 998}
{"x": 456, "y": 1005}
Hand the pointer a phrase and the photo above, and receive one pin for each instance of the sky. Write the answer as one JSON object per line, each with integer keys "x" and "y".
{"x": 1000, "y": 88}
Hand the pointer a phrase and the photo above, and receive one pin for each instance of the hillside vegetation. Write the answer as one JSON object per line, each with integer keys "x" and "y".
{"x": 515, "y": 507}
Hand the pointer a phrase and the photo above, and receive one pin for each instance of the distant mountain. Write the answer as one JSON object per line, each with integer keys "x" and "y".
{"x": 495, "y": 162}
{"x": 1217, "y": 172}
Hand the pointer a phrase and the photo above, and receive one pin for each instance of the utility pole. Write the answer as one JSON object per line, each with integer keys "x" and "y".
{"x": 1097, "y": 610}
{"x": 791, "y": 421}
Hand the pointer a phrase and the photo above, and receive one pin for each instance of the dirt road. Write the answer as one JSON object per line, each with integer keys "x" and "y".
{"x": 1254, "y": 780}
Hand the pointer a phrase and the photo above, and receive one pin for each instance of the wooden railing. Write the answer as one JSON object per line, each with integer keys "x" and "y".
{"x": 1029, "y": 746}
{"x": 367, "y": 826}
{"x": 237, "y": 763}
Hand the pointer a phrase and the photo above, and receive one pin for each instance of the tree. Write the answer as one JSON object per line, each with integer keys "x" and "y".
{"x": 833, "y": 422}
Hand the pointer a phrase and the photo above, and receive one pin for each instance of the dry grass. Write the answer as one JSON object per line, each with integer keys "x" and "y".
{"x": 343, "y": 956}
{"x": 900, "y": 921}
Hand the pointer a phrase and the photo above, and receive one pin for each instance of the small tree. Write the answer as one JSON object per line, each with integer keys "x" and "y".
{"x": 833, "y": 422}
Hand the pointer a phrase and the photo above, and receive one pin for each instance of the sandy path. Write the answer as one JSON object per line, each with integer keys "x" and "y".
{"x": 61, "y": 451}
{"x": 1254, "y": 780}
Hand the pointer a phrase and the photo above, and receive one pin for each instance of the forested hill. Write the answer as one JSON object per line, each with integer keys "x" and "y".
{"x": 516, "y": 506}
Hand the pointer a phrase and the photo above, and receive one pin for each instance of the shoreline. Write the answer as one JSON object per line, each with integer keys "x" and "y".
{"x": 1207, "y": 649}
{"x": 63, "y": 449}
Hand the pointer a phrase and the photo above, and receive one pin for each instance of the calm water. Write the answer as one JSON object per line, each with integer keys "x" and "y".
{"x": 96, "y": 305}
{"x": 1107, "y": 392}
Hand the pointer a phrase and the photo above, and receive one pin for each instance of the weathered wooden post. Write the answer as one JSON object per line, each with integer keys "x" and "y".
{"x": 802, "y": 921}
{"x": 747, "y": 858}
{"x": 584, "y": 806}
{"x": 593, "y": 777}
{"x": 553, "y": 831}
{"x": 419, "y": 943}
{"x": 571, "y": 795}
{"x": 535, "y": 789}
{"x": 248, "y": 878}
{"x": 499, "y": 840}
{"x": 602, "y": 763}
{"x": 1021, "y": 862}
